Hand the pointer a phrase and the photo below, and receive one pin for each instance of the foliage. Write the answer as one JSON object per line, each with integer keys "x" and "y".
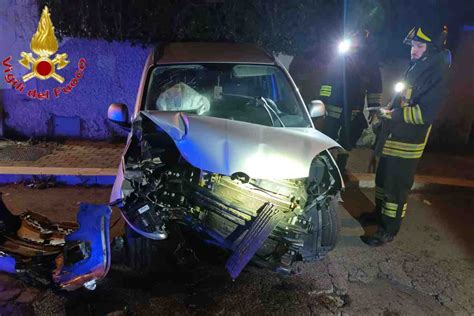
{"x": 279, "y": 25}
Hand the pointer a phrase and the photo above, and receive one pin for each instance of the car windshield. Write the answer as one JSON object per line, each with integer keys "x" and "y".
{"x": 259, "y": 94}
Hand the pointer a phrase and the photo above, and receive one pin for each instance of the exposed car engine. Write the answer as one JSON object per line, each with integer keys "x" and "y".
{"x": 273, "y": 222}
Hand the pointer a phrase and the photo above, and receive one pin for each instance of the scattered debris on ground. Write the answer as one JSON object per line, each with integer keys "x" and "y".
{"x": 353, "y": 279}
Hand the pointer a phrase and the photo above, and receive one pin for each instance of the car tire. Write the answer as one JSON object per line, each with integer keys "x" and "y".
{"x": 138, "y": 250}
{"x": 325, "y": 232}
{"x": 330, "y": 226}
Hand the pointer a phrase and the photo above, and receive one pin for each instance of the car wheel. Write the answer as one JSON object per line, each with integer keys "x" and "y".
{"x": 329, "y": 227}
{"x": 138, "y": 250}
{"x": 325, "y": 232}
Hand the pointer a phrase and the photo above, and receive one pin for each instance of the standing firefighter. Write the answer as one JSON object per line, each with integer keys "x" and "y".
{"x": 352, "y": 77}
{"x": 406, "y": 128}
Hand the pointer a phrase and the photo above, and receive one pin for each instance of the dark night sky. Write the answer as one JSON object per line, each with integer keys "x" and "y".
{"x": 405, "y": 13}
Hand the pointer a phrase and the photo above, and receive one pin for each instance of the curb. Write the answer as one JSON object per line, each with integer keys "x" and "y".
{"x": 367, "y": 180}
{"x": 58, "y": 171}
{"x": 61, "y": 179}
{"x": 68, "y": 176}
{"x": 76, "y": 176}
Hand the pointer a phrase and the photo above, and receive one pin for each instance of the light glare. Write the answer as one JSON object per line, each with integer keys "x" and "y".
{"x": 344, "y": 46}
{"x": 399, "y": 87}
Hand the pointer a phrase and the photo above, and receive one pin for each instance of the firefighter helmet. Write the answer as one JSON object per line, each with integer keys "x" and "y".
{"x": 427, "y": 35}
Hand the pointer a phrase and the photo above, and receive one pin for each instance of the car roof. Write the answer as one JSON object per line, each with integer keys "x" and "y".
{"x": 186, "y": 52}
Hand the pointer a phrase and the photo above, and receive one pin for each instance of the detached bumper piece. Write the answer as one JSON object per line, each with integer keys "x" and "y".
{"x": 86, "y": 255}
{"x": 258, "y": 232}
{"x": 44, "y": 252}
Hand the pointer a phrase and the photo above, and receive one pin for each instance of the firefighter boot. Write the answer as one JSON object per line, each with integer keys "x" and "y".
{"x": 380, "y": 238}
{"x": 367, "y": 219}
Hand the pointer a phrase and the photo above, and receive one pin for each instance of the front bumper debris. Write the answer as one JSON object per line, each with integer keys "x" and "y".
{"x": 63, "y": 254}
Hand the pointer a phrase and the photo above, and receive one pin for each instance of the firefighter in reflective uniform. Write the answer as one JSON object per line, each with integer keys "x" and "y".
{"x": 406, "y": 125}
{"x": 351, "y": 79}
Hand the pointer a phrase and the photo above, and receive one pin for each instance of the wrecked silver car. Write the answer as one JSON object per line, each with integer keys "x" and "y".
{"x": 221, "y": 141}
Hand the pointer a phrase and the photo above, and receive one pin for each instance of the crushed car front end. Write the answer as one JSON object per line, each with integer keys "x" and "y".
{"x": 259, "y": 196}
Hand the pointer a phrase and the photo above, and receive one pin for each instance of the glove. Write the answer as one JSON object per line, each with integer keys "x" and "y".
{"x": 385, "y": 113}
{"x": 373, "y": 117}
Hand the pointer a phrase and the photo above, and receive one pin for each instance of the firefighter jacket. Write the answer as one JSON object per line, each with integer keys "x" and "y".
{"x": 426, "y": 90}
{"x": 362, "y": 79}
{"x": 415, "y": 108}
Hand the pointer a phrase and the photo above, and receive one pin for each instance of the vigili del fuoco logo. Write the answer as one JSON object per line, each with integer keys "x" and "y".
{"x": 42, "y": 65}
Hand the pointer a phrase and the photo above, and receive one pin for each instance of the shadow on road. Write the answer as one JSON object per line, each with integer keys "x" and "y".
{"x": 454, "y": 207}
{"x": 189, "y": 274}
{"x": 357, "y": 203}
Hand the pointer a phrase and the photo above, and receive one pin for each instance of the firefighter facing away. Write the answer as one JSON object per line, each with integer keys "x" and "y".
{"x": 352, "y": 76}
{"x": 406, "y": 125}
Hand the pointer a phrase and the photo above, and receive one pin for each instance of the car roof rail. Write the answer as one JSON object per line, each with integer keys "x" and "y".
{"x": 159, "y": 51}
{"x": 268, "y": 52}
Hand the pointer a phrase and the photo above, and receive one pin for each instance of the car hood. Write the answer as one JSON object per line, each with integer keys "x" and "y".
{"x": 225, "y": 146}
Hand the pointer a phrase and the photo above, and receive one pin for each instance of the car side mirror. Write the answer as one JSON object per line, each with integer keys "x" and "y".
{"x": 118, "y": 113}
{"x": 316, "y": 109}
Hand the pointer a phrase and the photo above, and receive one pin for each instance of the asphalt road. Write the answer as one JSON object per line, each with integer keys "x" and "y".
{"x": 428, "y": 269}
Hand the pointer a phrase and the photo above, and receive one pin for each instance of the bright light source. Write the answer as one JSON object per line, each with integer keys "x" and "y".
{"x": 344, "y": 46}
{"x": 399, "y": 87}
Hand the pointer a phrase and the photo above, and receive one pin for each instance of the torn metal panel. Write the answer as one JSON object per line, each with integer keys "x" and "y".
{"x": 259, "y": 231}
{"x": 30, "y": 234}
{"x": 39, "y": 229}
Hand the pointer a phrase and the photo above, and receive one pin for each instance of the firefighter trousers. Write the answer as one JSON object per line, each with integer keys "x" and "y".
{"x": 399, "y": 157}
{"x": 393, "y": 181}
